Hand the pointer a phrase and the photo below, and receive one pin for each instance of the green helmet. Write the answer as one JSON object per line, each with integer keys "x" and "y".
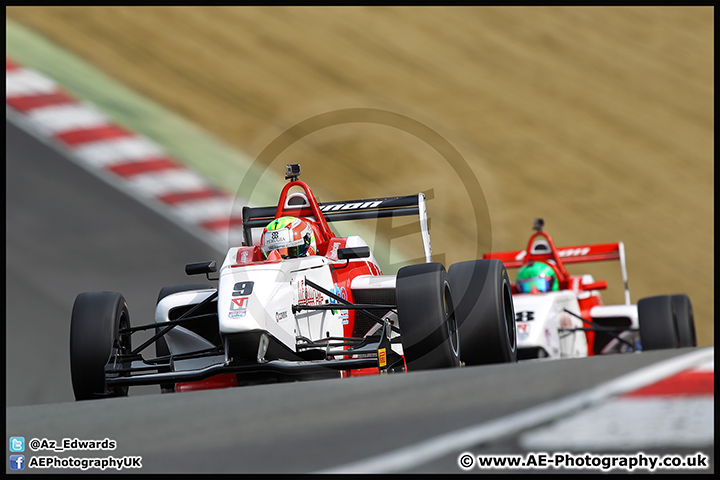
{"x": 539, "y": 275}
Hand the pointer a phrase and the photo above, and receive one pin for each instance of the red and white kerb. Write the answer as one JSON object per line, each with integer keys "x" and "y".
{"x": 675, "y": 412}
{"x": 141, "y": 166}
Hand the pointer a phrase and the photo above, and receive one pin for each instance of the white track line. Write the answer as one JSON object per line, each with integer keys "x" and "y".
{"x": 630, "y": 424}
{"x": 415, "y": 455}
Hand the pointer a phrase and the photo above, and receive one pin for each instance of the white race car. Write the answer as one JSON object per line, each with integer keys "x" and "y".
{"x": 295, "y": 301}
{"x": 562, "y": 315}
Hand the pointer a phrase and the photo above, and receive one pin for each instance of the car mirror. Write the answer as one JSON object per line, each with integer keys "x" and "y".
{"x": 201, "y": 267}
{"x": 353, "y": 252}
{"x": 601, "y": 285}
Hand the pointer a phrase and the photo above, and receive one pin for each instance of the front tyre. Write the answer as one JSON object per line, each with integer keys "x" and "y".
{"x": 485, "y": 312}
{"x": 427, "y": 321}
{"x": 666, "y": 321}
{"x": 658, "y": 329}
{"x": 97, "y": 318}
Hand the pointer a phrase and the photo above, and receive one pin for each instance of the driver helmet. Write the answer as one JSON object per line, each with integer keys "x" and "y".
{"x": 536, "y": 277}
{"x": 292, "y": 237}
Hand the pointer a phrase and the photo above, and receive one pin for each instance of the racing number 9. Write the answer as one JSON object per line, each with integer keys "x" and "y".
{"x": 243, "y": 289}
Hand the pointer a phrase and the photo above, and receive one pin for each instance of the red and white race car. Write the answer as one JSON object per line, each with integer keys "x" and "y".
{"x": 563, "y": 315}
{"x": 296, "y": 301}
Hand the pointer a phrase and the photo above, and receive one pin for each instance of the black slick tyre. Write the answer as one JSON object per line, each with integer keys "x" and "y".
{"x": 657, "y": 323}
{"x": 484, "y": 311}
{"x": 97, "y": 318}
{"x": 684, "y": 320}
{"x": 427, "y": 321}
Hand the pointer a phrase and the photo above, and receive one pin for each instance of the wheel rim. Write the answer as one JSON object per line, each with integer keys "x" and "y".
{"x": 509, "y": 317}
{"x": 121, "y": 345}
{"x": 451, "y": 321}
{"x": 693, "y": 335}
{"x": 676, "y": 329}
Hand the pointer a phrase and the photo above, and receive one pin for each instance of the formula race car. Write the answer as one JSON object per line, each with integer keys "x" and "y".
{"x": 562, "y": 315}
{"x": 297, "y": 302}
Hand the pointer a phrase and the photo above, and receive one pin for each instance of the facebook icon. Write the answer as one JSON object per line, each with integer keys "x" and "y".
{"x": 17, "y": 462}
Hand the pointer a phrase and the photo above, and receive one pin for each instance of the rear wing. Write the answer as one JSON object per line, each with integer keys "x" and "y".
{"x": 566, "y": 255}
{"x": 299, "y": 205}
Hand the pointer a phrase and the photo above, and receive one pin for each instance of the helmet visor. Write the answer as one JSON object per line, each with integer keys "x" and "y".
{"x": 540, "y": 283}
{"x": 278, "y": 239}
{"x": 297, "y": 251}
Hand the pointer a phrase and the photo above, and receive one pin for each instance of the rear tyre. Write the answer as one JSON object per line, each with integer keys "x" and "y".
{"x": 685, "y": 321}
{"x": 485, "y": 312}
{"x": 427, "y": 321}
{"x": 97, "y": 318}
{"x": 658, "y": 327}
{"x": 161, "y": 346}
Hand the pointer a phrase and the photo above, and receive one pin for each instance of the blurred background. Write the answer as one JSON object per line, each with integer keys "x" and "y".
{"x": 599, "y": 120}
